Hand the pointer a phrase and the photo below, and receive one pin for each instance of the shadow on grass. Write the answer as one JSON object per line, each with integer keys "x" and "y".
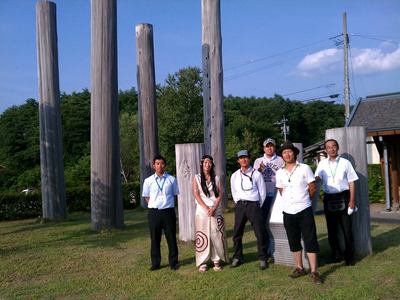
{"x": 386, "y": 240}
{"x": 76, "y": 231}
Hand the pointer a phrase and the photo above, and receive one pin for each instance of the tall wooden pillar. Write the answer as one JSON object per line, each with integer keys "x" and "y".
{"x": 147, "y": 106}
{"x": 106, "y": 202}
{"x": 352, "y": 146}
{"x": 211, "y": 39}
{"x": 51, "y": 152}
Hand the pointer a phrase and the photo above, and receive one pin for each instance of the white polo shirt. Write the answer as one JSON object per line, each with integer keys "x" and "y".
{"x": 161, "y": 190}
{"x": 249, "y": 186}
{"x": 295, "y": 193}
{"x": 336, "y": 174}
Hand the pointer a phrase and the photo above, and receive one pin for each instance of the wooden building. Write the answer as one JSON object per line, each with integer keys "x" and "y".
{"x": 380, "y": 114}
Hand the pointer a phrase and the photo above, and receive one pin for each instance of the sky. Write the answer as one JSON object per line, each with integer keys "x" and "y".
{"x": 285, "y": 47}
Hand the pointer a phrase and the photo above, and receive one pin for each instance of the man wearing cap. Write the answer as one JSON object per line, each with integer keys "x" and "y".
{"x": 338, "y": 177}
{"x": 296, "y": 184}
{"x": 248, "y": 192}
{"x": 268, "y": 164}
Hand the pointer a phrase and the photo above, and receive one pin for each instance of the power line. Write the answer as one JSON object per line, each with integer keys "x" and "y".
{"x": 394, "y": 40}
{"x": 310, "y": 89}
{"x": 252, "y": 61}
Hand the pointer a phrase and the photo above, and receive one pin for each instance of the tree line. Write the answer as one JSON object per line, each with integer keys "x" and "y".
{"x": 248, "y": 121}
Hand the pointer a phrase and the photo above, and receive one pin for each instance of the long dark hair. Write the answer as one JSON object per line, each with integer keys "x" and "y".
{"x": 212, "y": 177}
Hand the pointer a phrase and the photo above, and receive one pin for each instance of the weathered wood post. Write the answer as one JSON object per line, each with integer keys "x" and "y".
{"x": 206, "y": 97}
{"x": 300, "y": 147}
{"x": 211, "y": 37}
{"x": 51, "y": 152}
{"x": 106, "y": 202}
{"x": 352, "y": 146}
{"x": 147, "y": 106}
{"x": 188, "y": 158}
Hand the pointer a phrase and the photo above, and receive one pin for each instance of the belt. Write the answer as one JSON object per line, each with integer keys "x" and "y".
{"x": 161, "y": 208}
{"x": 342, "y": 192}
{"x": 244, "y": 202}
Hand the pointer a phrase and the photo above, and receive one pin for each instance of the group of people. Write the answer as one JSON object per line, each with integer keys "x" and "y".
{"x": 253, "y": 191}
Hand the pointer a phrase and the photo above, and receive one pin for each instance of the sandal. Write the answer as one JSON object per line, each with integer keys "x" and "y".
{"x": 217, "y": 267}
{"x": 203, "y": 268}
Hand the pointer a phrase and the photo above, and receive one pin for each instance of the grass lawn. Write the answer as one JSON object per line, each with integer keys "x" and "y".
{"x": 68, "y": 261}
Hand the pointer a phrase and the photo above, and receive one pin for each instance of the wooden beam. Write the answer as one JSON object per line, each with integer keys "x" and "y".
{"x": 147, "y": 105}
{"x": 106, "y": 202}
{"x": 51, "y": 153}
{"x": 211, "y": 37}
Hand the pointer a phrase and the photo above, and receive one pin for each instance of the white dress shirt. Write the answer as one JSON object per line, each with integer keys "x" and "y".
{"x": 336, "y": 174}
{"x": 248, "y": 186}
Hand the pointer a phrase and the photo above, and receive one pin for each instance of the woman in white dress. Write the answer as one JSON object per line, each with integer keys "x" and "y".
{"x": 210, "y": 227}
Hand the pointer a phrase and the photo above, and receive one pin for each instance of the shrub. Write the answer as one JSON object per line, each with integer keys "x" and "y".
{"x": 376, "y": 184}
{"x": 15, "y": 206}
{"x": 78, "y": 198}
{"x": 131, "y": 194}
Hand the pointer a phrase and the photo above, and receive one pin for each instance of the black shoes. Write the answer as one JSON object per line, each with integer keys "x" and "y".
{"x": 350, "y": 262}
{"x": 153, "y": 268}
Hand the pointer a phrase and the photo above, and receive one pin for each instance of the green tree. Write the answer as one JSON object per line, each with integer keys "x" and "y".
{"x": 180, "y": 111}
{"x": 75, "y": 118}
{"x": 19, "y": 146}
{"x": 129, "y": 146}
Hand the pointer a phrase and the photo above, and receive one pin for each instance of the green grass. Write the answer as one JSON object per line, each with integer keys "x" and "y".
{"x": 68, "y": 261}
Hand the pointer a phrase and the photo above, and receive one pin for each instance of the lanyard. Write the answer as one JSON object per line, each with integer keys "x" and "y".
{"x": 334, "y": 173}
{"x": 250, "y": 178}
{"x": 160, "y": 187}
{"x": 291, "y": 173}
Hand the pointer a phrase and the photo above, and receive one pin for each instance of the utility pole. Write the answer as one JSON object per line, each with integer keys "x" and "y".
{"x": 284, "y": 128}
{"x": 346, "y": 94}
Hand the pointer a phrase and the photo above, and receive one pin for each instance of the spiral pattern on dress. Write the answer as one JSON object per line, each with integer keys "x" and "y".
{"x": 201, "y": 241}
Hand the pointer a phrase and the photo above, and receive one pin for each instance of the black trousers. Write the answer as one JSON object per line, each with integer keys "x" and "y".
{"x": 160, "y": 220}
{"x": 337, "y": 222}
{"x": 249, "y": 210}
{"x": 265, "y": 209}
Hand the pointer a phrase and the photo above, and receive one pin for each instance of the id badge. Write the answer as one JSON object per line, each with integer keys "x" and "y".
{"x": 161, "y": 197}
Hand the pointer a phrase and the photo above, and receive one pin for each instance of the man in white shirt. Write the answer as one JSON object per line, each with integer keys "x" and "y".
{"x": 296, "y": 184}
{"x": 159, "y": 191}
{"x": 248, "y": 192}
{"x": 268, "y": 165}
{"x": 338, "y": 178}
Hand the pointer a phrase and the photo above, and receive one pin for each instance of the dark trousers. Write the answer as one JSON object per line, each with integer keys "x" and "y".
{"x": 248, "y": 210}
{"x": 265, "y": 209}
{"x": 160, "y": 220}
{"x": 336, "y": 222}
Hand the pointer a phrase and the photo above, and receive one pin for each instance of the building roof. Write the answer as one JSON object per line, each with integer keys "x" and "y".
{"x": 377, "y": 113}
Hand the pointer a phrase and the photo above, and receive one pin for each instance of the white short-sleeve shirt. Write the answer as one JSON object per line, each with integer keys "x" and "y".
{"x": 160, "y": 190}
{"x": 295, "y": 192}
{"x": 336, "y": 174}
